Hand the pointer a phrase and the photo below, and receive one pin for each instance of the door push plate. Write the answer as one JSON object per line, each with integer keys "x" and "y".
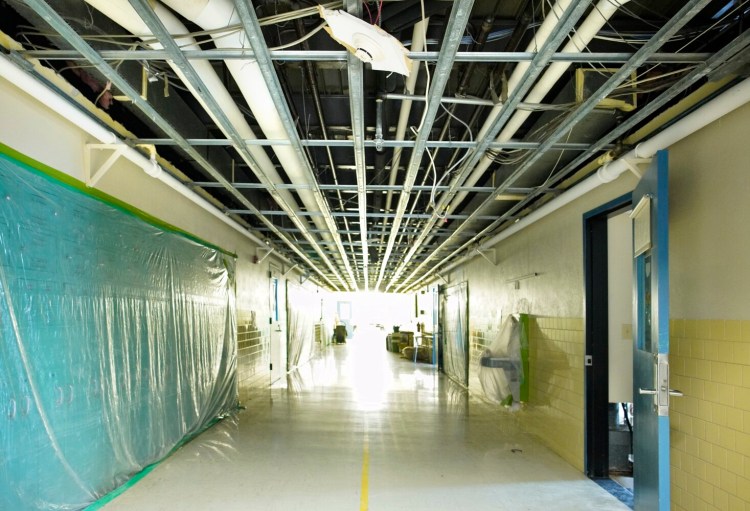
{"x": 662, "y": 384}
{"x": 661, "y": 390}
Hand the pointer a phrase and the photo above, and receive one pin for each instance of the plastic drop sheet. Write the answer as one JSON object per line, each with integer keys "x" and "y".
{"x": 117, "y": 341}
{"x": 455, "y": 311}
{"x": 303, "y": 310}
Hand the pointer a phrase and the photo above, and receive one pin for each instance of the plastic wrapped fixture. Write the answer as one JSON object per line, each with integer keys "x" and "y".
{"x": 500, "y": 367}
{"x": 117, "y": 341}
{"x": 454, "y": 309}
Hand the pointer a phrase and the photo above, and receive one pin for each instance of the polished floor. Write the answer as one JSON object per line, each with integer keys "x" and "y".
{"x": 361, "y": 429}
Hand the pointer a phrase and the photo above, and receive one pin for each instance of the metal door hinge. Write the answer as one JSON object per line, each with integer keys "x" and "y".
{"x": 588, "y": 360}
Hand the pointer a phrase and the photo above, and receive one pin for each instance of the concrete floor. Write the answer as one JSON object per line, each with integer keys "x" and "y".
{"x": 358, "y": 429}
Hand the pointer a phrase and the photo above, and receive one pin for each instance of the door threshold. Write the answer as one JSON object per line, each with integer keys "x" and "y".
{"x": 620, "y": 492}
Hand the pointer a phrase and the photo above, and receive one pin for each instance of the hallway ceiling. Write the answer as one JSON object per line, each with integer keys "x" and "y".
{"x": 366, "y": 180}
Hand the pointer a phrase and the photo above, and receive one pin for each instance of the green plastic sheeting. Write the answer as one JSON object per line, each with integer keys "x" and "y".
{"x": 117, "y": 341}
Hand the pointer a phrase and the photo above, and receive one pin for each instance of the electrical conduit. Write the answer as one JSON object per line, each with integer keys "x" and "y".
{"x": 727, "y": 102}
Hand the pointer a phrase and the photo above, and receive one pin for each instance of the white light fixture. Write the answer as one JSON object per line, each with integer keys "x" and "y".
{"x": 369, "y": 43}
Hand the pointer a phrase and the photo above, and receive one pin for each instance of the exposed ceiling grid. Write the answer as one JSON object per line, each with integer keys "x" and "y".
{"x": 480, "y": 142}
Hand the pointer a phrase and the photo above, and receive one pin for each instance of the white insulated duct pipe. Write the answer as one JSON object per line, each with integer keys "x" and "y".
{"x": 580, "y": 39}
{"x": 122, "y": 13}
{"x": 23, "y": 81}
{"x": 218, "y": 15}
{"x": 718, "y": 107}
{"x": 417, "y": 44}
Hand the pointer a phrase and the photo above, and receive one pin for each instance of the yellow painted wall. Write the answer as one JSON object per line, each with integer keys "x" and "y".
{"x": 553, "y": 248}
{"x": 710, "y": 425}
{"x": 556, "y": 402}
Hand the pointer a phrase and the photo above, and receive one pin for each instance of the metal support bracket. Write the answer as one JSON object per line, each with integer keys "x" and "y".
{"x": 262, "y": 250}
{"x": 632, "y": 164}
{"x": 289, "y": 270}
{"x": 92, "y": 178}
{"x": 492, "y": 260}
{"x": 303, "y": 278}
{"x": 442, "y": 278}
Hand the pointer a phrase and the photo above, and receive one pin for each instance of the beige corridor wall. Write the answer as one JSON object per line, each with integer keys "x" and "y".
{"x": 553, "y": 248}
{"x": 710, "y": 316}
{"x": 710, "y": 312}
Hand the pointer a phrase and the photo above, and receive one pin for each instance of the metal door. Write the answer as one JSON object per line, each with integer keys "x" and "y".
{"x": 651, "y": 321}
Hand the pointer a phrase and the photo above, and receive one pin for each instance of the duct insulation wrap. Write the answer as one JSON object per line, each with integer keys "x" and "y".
{"x": 500, "y": 369}
{"x": 117, "y": 341}
{"x": 303, "y": 310}
{"x": 454, "y": 304}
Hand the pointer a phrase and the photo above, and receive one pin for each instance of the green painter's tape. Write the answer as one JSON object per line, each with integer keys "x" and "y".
{"x": 72, "y": 183}
{"x": 99, "y": 504}
{"x": 524, "y": 321}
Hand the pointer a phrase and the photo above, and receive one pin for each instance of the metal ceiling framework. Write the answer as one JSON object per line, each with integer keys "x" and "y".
{"x": 400, "y": 249}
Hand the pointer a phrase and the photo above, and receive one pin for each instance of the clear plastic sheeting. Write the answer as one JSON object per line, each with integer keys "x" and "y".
{"x": 303, "y": 311}
{"x": 500, "y": 369}
{"x": 454, "y": 302}
{"x": 117, "y": 341}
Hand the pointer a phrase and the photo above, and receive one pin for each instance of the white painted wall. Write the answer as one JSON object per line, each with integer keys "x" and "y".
{"x": 620, "y": 310}
{"x": 710, "y": 221}
{"x": 552, "y": 247}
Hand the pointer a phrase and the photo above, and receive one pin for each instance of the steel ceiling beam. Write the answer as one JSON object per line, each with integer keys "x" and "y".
{"x": 370, "y": 188}
{"x": 490, "y": 57}
{"x": 737, "y": 45}
{"x": 689, "y": 10}
{"x": 357, "y": 111}
{"x": 61, "y": 27}
{"x": 442, "y": 144}
{"x": 459, "y": 17}
{"x": 262, "y": 57}
{"x": 565, "y": 24}
{"x": 355, "y": 214}
{"x": 157, "y": 28}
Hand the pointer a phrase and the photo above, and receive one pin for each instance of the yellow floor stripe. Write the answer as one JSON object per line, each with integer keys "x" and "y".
{"x": 363, "y": 497}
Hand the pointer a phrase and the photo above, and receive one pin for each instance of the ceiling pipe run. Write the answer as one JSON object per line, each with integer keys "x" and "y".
{"x": 458, "y": 99}
{"x": 417, "y": 44}
{"x": 581, "y": 37}
{"x": 713, "y": 110}
{"x": 312, "y": 80}
{"x": 567, "y": 14}
{"x": 218, "y": 15}
{"x": 122, "y": 13}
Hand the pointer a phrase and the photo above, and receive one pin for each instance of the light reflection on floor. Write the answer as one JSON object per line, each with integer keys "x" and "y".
{"x": 302, "y": 447}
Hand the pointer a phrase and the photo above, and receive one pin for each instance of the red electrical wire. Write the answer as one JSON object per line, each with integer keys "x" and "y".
{"x": 380, "y": 11}
{"x": 368, "y": 11}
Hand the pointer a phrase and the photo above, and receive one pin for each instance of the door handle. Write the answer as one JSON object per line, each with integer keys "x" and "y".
{"x": 652, "y": 392}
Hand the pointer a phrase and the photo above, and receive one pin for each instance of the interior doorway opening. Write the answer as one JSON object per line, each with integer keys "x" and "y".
{"x": 609, "y": 347}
